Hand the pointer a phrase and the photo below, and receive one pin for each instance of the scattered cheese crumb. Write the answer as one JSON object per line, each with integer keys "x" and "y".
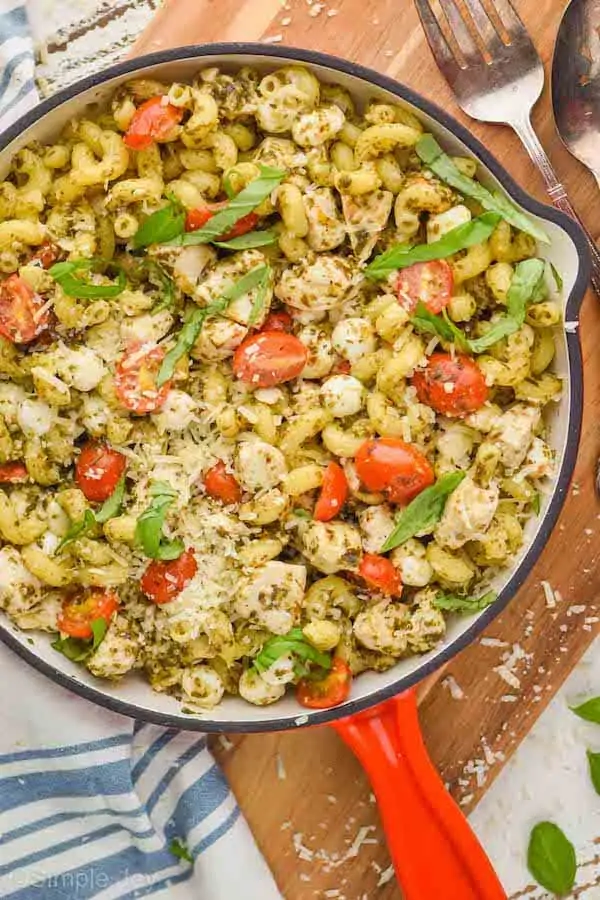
{"x": 273, "y": 39}
{"x": 281, "y": 773}
{"x": 456, "y": 692}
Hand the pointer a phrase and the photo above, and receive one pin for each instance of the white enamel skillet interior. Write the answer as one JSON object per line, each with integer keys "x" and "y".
{"x": 567, "y": 251}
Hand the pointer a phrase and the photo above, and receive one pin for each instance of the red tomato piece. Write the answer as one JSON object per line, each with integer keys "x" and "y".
{"x": 153, "y": 121}
{"x": 78, "y": 613}
{"x": 269, "y": 358}
{"x": 280, "y": 320}
{"x": 452, "y": 385}
{"x": 46, "y": 255}
{"x": 329, "y": 691}
{"x": 13, "y": 473}
{"x": 343, "y": 367}
{"x": 22, "y": 313}
{"x": 380, "y": 573}
{"x": 196, "y": 218}
{"x": 394, "y": 467}
{"x": 135, "y": 379}
{"x": 221, "y": 484}
{"x": 163, "y": 581}
{"x": 334, "y": 493}
{"x": 430, "y": 283}
{"x": 98, "y": 470}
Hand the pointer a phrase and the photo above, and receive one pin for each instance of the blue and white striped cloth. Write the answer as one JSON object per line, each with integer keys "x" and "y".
{"x": 91, "y": 802}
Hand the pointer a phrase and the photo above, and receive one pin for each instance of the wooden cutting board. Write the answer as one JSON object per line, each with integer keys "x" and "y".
{"x": 305, "y": 796}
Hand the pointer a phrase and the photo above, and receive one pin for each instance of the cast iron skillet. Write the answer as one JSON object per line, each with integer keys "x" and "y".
{"x": 434, "y": 852}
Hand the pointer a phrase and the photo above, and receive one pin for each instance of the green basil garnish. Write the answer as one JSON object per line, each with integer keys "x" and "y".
{"x": 149, "y": 528}
{"x": 424, "y": 511}
{"x": 430, "y": 152}
{"x": 162, "y": 226}
{"x": 402, "y": 255}
{"x": 454, "y": 603}
{"x": 594, "y": 764}
{"x": 441, "y": 325}
{"x": 77, "y": 649}
{"x": 590, "y": 710}
{"x": 551, "y": 858}
{"x": 295, "y": 644}
{"x": 178, "y": 848}
{"x": 239, "y": 206}
{"x": 193, "y": 325}
{"x": 64, "y": 273}
{"x": 536, "y": 503}
{"x": 109, "y": 509}
{"x": 249, "y": 241}
{"x": 557, "y": 277}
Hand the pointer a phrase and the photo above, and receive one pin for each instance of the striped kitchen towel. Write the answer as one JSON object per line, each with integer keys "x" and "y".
{"x": 92, "y": 804}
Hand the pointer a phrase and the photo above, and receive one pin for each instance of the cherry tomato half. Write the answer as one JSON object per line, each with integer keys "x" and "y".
{"x": 329, "y": 691}
{"x": 13, "y": 473}
{"x": 453, "y": 386}
{"x": 163, "y": 581}
{"x": 280, "y": 320}
{"x": 334, "y": 493}
{"x": 78, "y": 613}
{"x": 22, "y": 317}
{"x": 221, "y": 484}
{"x": 196, "y": 218}
{"x": 430, "y": 283}
{"x": 269, "y": 358}
{"x": 394, "y": 467}
{"x": 380, "y": 573}
{"x": 135, "y": 379}
{"x": 98, "y": 470}
{"x": 153, "y": 121}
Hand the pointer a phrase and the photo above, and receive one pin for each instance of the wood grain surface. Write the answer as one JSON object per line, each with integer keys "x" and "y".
{"x": 307, "y": 800}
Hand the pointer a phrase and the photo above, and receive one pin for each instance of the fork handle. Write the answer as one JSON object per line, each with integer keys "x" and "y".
{"x": 555, "y": 189}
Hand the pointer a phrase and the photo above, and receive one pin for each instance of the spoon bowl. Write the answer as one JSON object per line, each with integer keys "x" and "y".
{"x": 576, "y": 82}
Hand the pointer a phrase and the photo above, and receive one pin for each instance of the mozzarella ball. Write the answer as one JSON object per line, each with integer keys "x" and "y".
{"x": 35, "y": 418}
{"x": 218, "y": 339}
{"x": 353, "y": 338}
{"x": 411, "y": 561}
{"x": 332, "y": 546}
{"x": 259, "y": 465}
{"x": 256, "y": 690}
{"x": 441, "y": 223}
{"x": 321, "y": 357}
{"x": 376, "y": 524}
{"x": 176, "y": 412}
{"x": 202, "y": 687}
{"x": 82, "y": 368}
{"x": 342, "y": 395}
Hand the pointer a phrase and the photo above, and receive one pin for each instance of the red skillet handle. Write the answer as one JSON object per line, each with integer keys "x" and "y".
{"x": 434, "y": 851}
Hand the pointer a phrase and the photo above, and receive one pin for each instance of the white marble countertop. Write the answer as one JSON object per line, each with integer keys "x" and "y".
{"x": 548, "y": 776}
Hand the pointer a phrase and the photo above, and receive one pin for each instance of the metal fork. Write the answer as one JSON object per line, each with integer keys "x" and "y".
{"x": 489, "y": 61}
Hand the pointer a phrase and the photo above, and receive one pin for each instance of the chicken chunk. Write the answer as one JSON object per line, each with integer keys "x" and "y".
{"x": 315, "y": 284}
{"x": 272, "y": 595}
{"x": 226, "y": 273}
{"x": 331, "y": 546}
{"x": 376, "y": 524}
{"x": 259, "y": 465}
{"x": 468, "y": 513}
{"x": 366, "y": 216}
{"x": 513, "y": 434}
{"x": 384, "y": 627}
{"x": 325, "y": 229}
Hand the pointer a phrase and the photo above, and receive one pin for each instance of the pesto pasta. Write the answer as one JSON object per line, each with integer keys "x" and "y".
{"x": 273, "y": 374}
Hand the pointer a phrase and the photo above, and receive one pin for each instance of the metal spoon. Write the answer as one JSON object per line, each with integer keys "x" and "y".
{"x": 576, "y": 88}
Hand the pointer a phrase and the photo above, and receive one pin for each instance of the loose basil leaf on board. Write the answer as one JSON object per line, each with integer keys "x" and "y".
{"x": 454, "y": 603}
{"x": 249, "y": 241}
{"x": 161, "y": 227}
{"x": 551, "y": 859}
{"x": 193, "y": 325}
{"x": 430, "y": 152}
{"x": 295, "y": 644}
{"x": 64, "y": 273}
{"x": 402, "y": 255}
{"x": 441, "y": 326}
{"x": 424, "y": 511}
{"x": 239, "y": 206}
{"x": 590, "y": 710}
{"x": 594, "y": 763}
{"x": 179, "y": 849}
{"x": 77, "y": 649}
{"x": 149, "y": 528}
{"x": 112, "y": 505}
{"x": 77, "y": 530}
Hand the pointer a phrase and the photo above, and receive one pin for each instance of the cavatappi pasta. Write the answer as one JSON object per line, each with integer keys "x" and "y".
{"x": 272, "y": 387}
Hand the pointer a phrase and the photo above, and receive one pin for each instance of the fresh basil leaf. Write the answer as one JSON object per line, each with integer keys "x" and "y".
{"x": 164, "y": 283}
{"x": 193, "y": 325}
{"x": 527, "y": 286}
{"x": 161, "y": 227}
{"x": 557, "y": 277}
{"x": 64, "y": 273}
{"x": 499, "y": 329}
{"x": 112, "y": 506}
{"x": 249, "y": 241}
{"x": 454, "y": 603}
{"x": 258, "y": 305}
{"x": 551, "y": 858}
{"x": 168, "y": 550}
{"x": 77, "y": 530}
{"x": 239, "y": 206}
{"x": 149, "y": 527}
{"x": 536, "y": 503}
{"x": 295, "y": 644}
{"x": 590, "y": 710}
{"x": 162, "y": 489}
{"x": 399, "y": 257}
{"x": 228, "y": 187}
{"x": 594, "y": 764}
{"x": 179, "y": 849}
{"x": 430, "y": 152}
{"x": 424, "y": 511}
{"x": 441, "y": 326}
{"x": 77, "y": 649}
{"x": 302, "y": 513}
